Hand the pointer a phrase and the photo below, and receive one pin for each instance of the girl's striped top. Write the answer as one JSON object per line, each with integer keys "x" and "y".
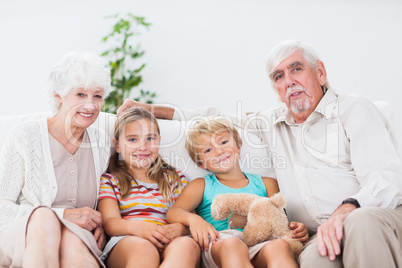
{"x": 145, "y": 202}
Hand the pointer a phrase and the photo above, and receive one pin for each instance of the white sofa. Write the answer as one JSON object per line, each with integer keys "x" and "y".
{"x": 172, "y": 146}
{"x": 252, "y": 158}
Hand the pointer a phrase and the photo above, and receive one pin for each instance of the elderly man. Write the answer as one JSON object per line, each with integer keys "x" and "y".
{"x": 343, "y": 175}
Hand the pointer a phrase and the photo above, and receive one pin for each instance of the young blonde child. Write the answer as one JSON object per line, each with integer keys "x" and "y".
{"x": 214, "y": 144}
{"x": 135, "y": 195}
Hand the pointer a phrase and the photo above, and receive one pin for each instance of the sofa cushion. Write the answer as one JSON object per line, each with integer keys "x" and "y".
{"x": 253, "y": 156}
{"x": 172, "y": 148}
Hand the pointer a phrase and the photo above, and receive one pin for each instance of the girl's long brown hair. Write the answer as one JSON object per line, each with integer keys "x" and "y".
{"x": 159, "y": 168}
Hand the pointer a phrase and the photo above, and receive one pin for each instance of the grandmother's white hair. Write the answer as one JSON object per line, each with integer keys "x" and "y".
{"x": 286, "y": 49}
{"x": 76, "y": 70}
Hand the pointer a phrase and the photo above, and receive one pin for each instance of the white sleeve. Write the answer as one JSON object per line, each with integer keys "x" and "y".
{"x": 247, "y": 121}
{"x": 183, "y": 114}
{"x": 374, "y": 157}
{"x": 12, "y": 177}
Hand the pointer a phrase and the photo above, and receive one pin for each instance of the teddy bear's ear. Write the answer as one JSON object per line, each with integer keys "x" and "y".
{"x": 278, "y": 200}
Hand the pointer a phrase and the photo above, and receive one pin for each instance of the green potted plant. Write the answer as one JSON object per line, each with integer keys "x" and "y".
{"x": 124, "y": 54}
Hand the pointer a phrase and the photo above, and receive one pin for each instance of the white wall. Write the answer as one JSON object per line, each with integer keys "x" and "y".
{"x": 207, "y": 52}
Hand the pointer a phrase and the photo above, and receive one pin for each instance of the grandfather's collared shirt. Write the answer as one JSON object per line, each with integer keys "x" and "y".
{"x": 344, "y": 149}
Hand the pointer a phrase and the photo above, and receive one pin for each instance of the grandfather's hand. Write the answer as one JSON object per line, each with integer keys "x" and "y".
{"x": 330, "y": 233}
{"x": 85, "y": 217}
{"x": 127, "y": 104}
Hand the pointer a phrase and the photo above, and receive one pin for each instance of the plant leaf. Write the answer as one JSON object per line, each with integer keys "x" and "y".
{"x": 125, "y": 53}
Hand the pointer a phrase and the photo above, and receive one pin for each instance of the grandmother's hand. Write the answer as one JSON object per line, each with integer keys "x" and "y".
{"x": 100, "y": 237}
{"x": 85, "y": 217}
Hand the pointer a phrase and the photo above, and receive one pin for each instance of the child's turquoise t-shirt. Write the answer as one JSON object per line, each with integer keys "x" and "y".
{"x": 214, "y": 187}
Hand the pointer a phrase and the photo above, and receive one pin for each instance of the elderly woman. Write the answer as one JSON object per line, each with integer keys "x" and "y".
{"x": 50, "y": 170}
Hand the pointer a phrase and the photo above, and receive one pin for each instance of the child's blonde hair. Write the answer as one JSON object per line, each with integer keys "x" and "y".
{"x": 159, "y": 167}
{"x": 210, "y": 126}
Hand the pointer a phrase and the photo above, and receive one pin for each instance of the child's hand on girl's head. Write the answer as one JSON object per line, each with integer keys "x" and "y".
{"x": 202, "y": 231}
{"x": 300, "y": 231}
{"x": 153, "y": 233}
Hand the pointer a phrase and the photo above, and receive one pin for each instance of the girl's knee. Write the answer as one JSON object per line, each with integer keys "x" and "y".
{"x": 187, "y": 243}
{"x": 134, "y": 251}
{"x": 174, "y": 251}
{"x": 138, "y": 245}
{"x": 192, "y": 248}
{"x": 144, "y": 245}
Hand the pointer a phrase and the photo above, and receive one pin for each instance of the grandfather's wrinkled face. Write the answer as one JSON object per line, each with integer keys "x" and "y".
{"x": 299, "y": 85}
{"x": 81, "y": 106}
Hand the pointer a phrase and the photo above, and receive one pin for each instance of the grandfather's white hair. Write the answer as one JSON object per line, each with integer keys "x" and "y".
{"x": 287, "y": 48}
{"x": 77, "y": 70}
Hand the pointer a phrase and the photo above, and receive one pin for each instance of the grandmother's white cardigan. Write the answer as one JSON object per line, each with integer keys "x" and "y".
{"x": 27, "y": 178}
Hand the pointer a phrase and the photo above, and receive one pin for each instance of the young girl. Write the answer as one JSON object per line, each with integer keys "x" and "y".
{"x": 135, "y": 195}
{"x": 214, "y": 144}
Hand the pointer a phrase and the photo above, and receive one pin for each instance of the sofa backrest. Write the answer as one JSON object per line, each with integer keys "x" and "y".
{"x": 253, "y": 156}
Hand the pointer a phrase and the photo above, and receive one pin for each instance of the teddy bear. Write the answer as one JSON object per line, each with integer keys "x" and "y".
{"x": 262, "y": 218}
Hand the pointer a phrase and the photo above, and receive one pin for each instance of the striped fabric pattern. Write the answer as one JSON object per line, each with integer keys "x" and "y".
{"x": 145, "y": 202}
